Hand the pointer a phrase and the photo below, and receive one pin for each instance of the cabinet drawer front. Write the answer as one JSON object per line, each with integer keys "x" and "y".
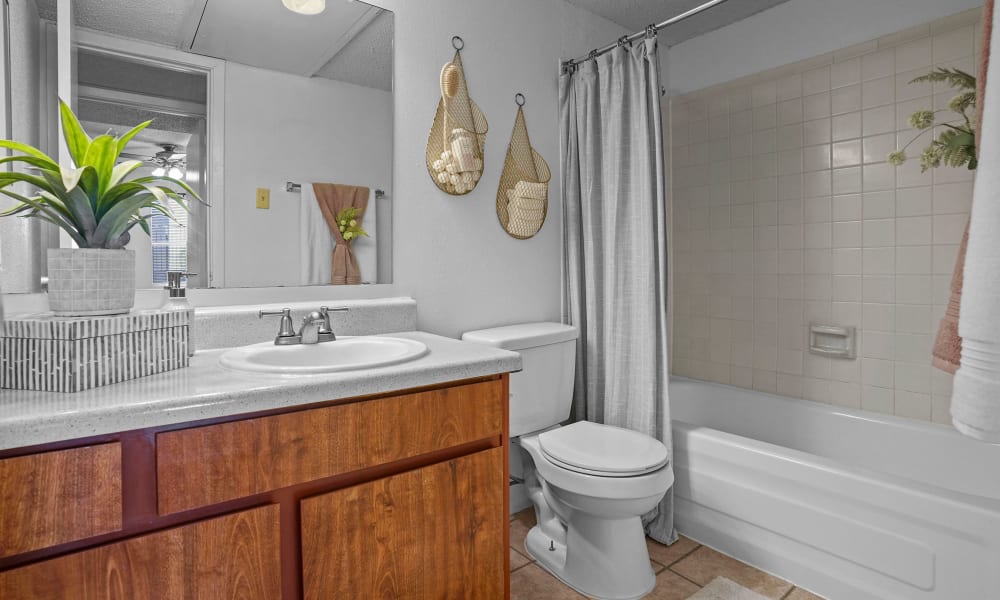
{"x": 215, "y": 463}
{"x": 57, "y": 497}
{"x": 435, "y": 532}
{"x": 233, "y": 557}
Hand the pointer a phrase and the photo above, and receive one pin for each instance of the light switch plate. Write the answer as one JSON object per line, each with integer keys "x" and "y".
{"x": 263, "y": 198}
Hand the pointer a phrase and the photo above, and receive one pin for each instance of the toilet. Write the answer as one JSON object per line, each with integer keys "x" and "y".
{"x": 589, "y": 483}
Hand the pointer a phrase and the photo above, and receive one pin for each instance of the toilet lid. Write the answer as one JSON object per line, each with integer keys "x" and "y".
{"x": 603, "y": 450}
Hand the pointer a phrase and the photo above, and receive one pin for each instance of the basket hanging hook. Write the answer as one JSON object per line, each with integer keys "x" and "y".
{"x": 457, "y": 43}
{"x": 519, "y": 99}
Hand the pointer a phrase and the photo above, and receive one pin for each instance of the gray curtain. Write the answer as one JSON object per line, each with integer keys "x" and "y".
{"x": 615, "y": 236}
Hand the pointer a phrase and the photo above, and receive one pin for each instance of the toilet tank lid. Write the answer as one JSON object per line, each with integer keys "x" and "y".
{"x": 523, "y": 336}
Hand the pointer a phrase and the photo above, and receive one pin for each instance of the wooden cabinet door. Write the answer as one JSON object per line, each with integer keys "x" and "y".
{"x": 234, "y": 557}
{"x": 56, "y": 497}
{"x": 435, "y": 532}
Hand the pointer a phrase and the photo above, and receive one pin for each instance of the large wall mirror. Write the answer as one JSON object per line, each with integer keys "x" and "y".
{"x": 251, "y": 102}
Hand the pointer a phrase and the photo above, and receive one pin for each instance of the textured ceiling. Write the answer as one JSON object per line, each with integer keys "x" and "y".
{"x": 636, "y": 14}
{"x": 366, "y": 60}
{"x": 157, "y": 21}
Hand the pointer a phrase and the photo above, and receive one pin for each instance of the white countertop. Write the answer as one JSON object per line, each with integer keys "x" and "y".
{"x": 205, "y": 391}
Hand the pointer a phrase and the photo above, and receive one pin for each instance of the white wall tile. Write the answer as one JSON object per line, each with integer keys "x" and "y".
{"x": 846, "y": 154}
{"x": 847, "y": 207}
{"x": 878, "y": 147}
{"x": 913, "y": 231}
{"x": 816, "y": 80}
{"x": 911, "y": 318}
{"x": 816, "y": 106}
{"x": 847, "y": 180}
{"x": 879, "y": 232}
{"x": 816, "y": 132}
{"x": 846, "y": 99}
{"x": 846, "y": 126}
{"x": 879, "y": 317}
{"x": 914, "y": 260}
{"x": 846, "y": 261}
{"x": 878, "y": 64}
{"x": 847, "y": 72}
{"x": 948, "y": 229}
{"x": 879, "y": 261}
{"x": 786, "y": 212}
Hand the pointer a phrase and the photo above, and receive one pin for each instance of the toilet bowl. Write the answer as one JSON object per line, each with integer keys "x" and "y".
{"x": 590, "y": 483}
{"x": 590, "y": 486}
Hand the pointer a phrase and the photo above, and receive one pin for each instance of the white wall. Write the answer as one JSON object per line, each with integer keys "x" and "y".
{"x": 452, "y": 255}
{"x": 282, "y": 127}
{"x": 794, "y": 31}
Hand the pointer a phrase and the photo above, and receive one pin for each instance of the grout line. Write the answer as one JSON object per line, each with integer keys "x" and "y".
{"x": 685, "y": 578}
{"x": 685, "y": 555}
{"x": 788, "y": 593}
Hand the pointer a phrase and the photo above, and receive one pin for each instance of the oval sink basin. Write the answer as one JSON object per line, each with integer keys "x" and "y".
{"x": 344, "y": 354}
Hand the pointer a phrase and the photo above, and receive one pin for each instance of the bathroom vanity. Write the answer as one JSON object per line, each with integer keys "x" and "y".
{"x": 206, "y": 483}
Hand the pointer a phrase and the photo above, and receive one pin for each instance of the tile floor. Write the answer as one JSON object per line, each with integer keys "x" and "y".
{"x": 681, "y": 570}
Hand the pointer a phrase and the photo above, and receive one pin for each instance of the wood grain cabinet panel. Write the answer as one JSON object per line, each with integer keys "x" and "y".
{"x": 57, "y": 497}
{"x": 235, "y": 557}
{"x": 434, "y": 532}
{"x": 215, "y": 463}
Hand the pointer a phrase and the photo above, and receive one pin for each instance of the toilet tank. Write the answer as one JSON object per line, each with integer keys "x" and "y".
{"x": 541, "y": 394}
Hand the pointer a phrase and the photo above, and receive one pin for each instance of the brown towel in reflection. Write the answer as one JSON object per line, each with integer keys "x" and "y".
{"x": 947, "y": 349}
{"x": 332, "y": 199}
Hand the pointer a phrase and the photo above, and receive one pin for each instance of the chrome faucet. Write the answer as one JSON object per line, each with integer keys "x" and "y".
{"x": 315, "y": 326}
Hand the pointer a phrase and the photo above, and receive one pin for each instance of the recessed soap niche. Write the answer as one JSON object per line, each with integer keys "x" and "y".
{"x": 832, "y": 341}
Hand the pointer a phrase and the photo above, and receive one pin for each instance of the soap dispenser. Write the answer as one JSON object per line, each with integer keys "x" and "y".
{"x": 177, "y": 301}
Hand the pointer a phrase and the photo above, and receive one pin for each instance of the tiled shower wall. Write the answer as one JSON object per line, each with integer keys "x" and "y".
{"x": 785, "y": 213}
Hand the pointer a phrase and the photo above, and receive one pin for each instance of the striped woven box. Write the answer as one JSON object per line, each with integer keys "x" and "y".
{"x": 58, "y": 354}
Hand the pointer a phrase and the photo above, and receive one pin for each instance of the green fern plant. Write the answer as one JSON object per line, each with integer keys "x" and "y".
{"x": 956, "y": 145}
{"x": 92, "y": 201}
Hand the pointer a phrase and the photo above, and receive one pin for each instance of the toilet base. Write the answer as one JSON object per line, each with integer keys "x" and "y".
{"x": 616, "y": 567}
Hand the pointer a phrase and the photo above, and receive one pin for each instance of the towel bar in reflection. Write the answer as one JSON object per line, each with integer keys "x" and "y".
{"x": 297, "y": 187}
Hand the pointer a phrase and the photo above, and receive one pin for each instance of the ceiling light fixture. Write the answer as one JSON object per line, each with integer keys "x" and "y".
{"x": 305, "y": 7}
{"x": 159, "y": 172}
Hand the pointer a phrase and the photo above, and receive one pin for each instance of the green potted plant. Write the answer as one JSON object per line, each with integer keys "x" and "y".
{"x": 955, "y": 146}
{"x": 96, "y": 204}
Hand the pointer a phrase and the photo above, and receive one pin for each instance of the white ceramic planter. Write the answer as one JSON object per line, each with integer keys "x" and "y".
{"x": 90, "y": 281}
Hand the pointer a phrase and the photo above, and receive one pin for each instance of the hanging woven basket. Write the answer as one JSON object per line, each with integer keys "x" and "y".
{"x": 523, "y": 194}
{"x": 458, "y": 135}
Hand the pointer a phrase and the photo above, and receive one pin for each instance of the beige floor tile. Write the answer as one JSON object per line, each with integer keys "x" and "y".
{"x": 533, "y": 583}
{"x": 526, "y": 516}
{"x": 668, "y": 555}
{"x": 671, "y": 586}
{"x": 518, "y": 531}
{"x": 801, "y": 594}
{"x": 705, "y": 564}
{"x": 520, "y": 524}
{"x": 517, "y": 560}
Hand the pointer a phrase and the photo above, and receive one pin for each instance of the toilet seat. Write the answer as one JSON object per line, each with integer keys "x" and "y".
{"x": 603, "y": 450}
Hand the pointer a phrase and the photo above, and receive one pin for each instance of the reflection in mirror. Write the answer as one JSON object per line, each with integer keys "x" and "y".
{"x": 243, "y": 101}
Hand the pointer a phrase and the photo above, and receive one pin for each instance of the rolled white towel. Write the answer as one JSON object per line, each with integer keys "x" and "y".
{"x": 530, "y": 189}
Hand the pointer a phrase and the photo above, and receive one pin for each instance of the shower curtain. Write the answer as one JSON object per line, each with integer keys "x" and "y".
{"x": 615, "y": 236}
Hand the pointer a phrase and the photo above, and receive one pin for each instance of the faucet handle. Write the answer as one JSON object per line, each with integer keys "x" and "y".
{"x": 325, "y": 329}
{"x": 286, "y": 329}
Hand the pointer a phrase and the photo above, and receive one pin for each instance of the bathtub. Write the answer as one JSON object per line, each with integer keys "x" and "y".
{"x": 849, "y": 504}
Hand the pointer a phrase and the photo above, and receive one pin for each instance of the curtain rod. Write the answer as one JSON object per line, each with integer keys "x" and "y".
{"x": 650, "y": 31}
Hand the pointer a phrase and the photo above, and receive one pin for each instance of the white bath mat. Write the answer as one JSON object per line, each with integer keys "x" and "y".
{"x": 721, "y": 588}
